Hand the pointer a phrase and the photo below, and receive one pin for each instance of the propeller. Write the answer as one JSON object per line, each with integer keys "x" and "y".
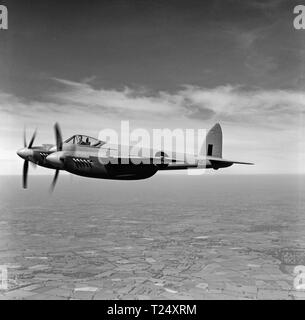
{"x": 25, "y": 153}
{"x": 32, "y": 139}
{"x": 54, "y": 180}
{"x": 24, "y": 138}
{"x": 25, "y": 174}
{"x": 58, "y": 139}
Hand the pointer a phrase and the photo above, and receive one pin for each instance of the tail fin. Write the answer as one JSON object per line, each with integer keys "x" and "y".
{"x": 214, "y": 142}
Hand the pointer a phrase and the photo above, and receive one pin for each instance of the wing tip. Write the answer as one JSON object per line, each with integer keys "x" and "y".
{"x": 247, "y": 163}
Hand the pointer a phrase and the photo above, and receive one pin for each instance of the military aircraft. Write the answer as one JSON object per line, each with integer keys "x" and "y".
{"x": 89, "y": 157}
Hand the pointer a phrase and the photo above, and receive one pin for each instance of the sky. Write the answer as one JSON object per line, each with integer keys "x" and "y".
{"x": 159, "y": 64}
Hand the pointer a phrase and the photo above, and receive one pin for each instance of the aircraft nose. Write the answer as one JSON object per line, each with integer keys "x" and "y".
{"x": 55, "y": 160}
{"x": 25, "y": 153}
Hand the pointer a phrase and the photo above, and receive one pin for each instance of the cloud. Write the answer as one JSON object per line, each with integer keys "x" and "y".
{"x": 264, "y": 126}
{"x": 83, "y": 95}
{"x": 232, "y": 103}
{"x": 273, "y": 108}
{"x": 199, "y": 112}
{"x": 20, "y": 107}
{"x": 236, "y": 104}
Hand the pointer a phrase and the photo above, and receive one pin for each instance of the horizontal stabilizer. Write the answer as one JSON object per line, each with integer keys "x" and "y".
{"x": 222, "y": 163}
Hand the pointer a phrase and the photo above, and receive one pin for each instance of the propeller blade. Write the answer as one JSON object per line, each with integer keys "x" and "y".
{"x": 58, "y": 137}
{"x": 32, "y": 140}
{"x": 25, "y": 174}
{"x": 54, "y": 180}
{"x": 24, "y": 138}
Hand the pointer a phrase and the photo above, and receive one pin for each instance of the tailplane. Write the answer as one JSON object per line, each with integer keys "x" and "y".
{"x": 214, "y": 149}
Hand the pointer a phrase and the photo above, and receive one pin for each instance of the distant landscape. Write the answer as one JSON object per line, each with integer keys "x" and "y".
{"x": 169, "y": 237}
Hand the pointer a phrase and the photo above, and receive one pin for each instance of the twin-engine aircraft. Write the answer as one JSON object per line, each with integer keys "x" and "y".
{"x": 89, "y": 157}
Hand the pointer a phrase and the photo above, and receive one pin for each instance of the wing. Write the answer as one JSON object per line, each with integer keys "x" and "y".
{"x": 202, "y": 163}
{"x": 171, "y": 163}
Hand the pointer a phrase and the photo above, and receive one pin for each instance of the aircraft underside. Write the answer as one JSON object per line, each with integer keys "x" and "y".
{"x": 112, "y": 171}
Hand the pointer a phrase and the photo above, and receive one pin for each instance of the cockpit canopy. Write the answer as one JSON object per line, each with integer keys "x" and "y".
{"x": 83, "y": 140}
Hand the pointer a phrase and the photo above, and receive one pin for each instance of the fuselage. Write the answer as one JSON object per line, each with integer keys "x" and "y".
{"x": 103, "y": 161}
{"x": 100, "y": 162}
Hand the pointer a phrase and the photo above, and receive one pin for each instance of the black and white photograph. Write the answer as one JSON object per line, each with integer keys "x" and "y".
{"x": 152, "y": 150}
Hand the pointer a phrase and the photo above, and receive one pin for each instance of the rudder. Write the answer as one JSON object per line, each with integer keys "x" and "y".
{"x": 214, "y": 142}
